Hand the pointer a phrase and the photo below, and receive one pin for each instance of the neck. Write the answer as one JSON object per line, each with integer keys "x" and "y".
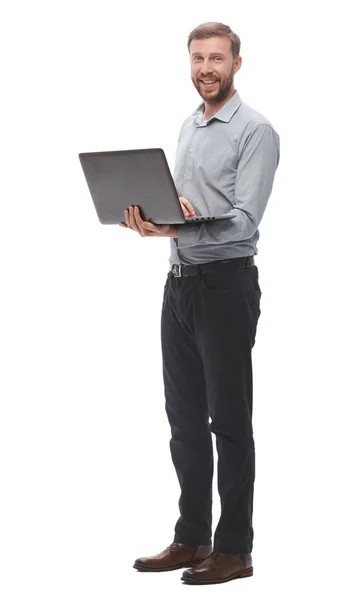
{"x": 211, "y": 109}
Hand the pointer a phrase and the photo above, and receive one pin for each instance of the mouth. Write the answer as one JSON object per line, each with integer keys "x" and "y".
{"x": 208, "y": 83}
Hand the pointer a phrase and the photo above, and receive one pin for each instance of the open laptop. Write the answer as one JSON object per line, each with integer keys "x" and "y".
{"x": 123, "y": 178}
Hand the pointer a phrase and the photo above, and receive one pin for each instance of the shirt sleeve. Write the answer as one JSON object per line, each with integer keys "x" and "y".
{"x": 258, "y": 161}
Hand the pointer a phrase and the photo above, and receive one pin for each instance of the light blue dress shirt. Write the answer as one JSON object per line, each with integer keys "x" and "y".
{"x": 225, "y": 164}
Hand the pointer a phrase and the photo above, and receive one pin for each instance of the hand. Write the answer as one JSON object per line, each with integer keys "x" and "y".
{"x": 145, "y": 228}
{"x": 188, "y": 209}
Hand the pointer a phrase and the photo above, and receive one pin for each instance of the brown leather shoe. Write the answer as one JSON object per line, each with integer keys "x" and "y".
{"x": 220, "y": 567}
{"x": 175, "y": 556}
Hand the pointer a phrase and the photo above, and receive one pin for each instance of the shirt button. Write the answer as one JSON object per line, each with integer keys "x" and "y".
{"x": 190, "y": 151}
{"x": 187, "y": 178}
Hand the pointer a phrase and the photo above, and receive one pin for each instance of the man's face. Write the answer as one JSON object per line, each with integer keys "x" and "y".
{"x": 211, "y": 59}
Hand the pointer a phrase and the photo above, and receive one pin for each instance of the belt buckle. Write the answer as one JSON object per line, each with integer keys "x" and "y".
{"x": 176, "y": 270}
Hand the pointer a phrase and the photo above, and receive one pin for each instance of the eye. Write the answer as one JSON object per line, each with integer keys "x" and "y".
{"x": 199, "y": 58}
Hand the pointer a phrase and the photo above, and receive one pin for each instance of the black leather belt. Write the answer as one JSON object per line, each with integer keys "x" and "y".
{"x": 217, "y": 265}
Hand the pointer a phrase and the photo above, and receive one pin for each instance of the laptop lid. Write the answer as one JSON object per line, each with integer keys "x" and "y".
{"x": 119, "y": 179}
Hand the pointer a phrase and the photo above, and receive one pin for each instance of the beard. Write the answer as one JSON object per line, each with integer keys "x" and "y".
{"x": 212, "y": 97}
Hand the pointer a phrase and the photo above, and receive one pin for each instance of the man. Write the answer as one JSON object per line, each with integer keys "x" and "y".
{"x": 226, "y": 160}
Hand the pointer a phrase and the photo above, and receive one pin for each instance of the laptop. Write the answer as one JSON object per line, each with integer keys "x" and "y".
{"x": 123, "y": 178}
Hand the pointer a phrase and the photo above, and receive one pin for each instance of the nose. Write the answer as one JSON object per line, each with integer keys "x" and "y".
{"x": 206, "y": 68}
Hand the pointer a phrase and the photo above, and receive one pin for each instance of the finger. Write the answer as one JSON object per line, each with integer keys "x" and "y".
{"x": 186, "y": 202}
{"x": 139, "y": 221}
{"x": 188, "y": 212}
{"x": 123, "y": 225}
{"x": 133, "y": 224}
{"x": 128, "y": 219}
{"x": 126, "y": 212}
{"x": 187, "y": 206}
{"x": 185, "y": 210}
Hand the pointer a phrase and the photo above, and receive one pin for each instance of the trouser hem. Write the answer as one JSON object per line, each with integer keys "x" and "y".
{"x": 232, "y": 550}
{"x": 188, "y": 542}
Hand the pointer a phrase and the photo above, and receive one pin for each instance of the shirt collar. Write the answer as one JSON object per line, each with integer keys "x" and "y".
{"x": 225, "y": 113}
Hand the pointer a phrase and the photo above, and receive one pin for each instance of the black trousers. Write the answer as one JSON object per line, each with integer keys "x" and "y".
{"x": 208, "y": 327}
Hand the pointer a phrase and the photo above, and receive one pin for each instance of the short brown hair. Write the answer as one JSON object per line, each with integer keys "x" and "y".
{"x": 211, "y": 29}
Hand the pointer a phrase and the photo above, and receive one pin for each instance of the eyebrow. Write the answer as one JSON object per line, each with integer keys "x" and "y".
{"x": 212, "y": 54}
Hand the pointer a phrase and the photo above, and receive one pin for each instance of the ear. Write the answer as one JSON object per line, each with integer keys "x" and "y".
{"x": 237, "y": 64}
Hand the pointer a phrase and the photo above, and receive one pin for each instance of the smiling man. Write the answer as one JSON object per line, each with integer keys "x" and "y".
{"x": 226, "y": 160}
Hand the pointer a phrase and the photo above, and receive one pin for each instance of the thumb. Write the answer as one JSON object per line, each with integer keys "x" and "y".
{"x": 150, "y": 226}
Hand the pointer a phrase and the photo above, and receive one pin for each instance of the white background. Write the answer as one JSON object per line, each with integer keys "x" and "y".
{"x": 86, "y": 474}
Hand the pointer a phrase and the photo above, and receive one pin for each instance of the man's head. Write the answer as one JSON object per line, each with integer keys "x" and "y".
{"x": 214, "y": 55}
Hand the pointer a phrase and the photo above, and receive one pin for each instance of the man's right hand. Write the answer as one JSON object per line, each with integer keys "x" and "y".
{"x": 188, "y": 209}
{"x": 135, "y": 222}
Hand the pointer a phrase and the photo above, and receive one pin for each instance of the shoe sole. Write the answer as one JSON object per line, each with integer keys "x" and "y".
{"x": 195, "y": 563}
{"x": 245, "y": 573}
